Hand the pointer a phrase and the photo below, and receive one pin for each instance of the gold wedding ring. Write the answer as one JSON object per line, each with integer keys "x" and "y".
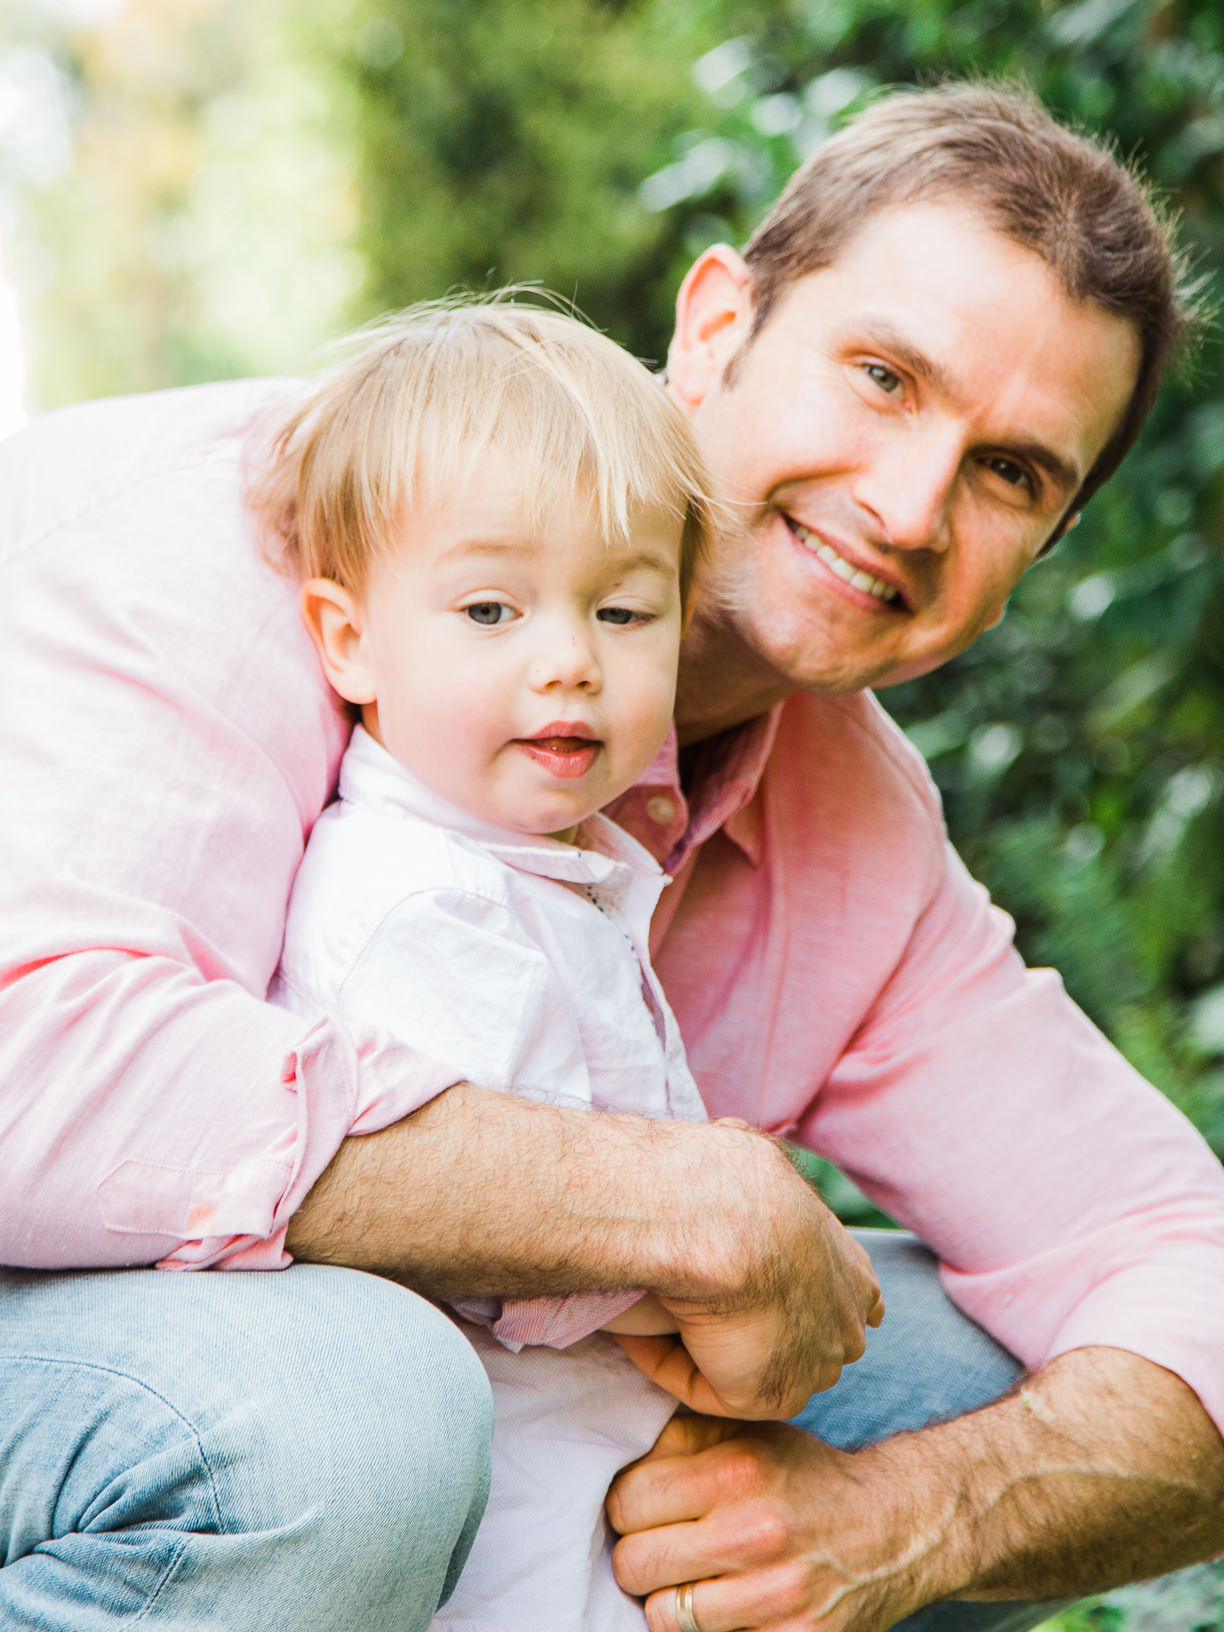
{"x": 685, "y": 1618}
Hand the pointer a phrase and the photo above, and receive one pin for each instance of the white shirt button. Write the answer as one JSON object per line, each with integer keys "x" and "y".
{"x": 661, "y": 809}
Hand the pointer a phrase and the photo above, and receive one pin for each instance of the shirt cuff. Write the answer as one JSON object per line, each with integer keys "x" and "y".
{"x": 337, "y": 1083}
{"x": 557, "y": 1322}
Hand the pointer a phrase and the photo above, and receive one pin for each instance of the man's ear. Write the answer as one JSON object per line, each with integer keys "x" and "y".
{"x": 336, "y": 621}
{"x": 714, "y": 312}
{"x": 1061, "y": 531}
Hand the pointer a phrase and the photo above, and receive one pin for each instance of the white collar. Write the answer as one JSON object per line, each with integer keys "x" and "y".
{"x": 604, "y": 853}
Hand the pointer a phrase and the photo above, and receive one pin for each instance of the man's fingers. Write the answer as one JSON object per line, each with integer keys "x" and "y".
{"x": 763, "y": 1355}
{"x": 666, "y": 1486}
{"x": 712, "y": 1607}
{"x": 649, "y": 1354}
{"x": 686, "y": 1433}
{"x": 653, "y": 1560}
{"x": 773, "y": 1529}
{"x": 669, "y": 1365}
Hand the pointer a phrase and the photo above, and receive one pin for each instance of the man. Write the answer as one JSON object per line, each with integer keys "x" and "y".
{"x": 940, "y": 343}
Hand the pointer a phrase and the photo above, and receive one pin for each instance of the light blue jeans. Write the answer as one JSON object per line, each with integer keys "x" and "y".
{"x": 308, "y": 1451}
{"x": 294, "y": 1452}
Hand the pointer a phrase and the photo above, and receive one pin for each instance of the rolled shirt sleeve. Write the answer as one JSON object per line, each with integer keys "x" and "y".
{"x": 166, "y": 744}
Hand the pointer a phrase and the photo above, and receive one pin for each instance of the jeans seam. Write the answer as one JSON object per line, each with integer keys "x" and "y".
{"x": 170, "y": 1570}
{"x": 146, "y": 1388}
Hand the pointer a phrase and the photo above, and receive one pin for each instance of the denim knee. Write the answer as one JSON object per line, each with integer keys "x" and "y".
{"x": 926, "y": 1363}
{"x": 196, "y": 1451}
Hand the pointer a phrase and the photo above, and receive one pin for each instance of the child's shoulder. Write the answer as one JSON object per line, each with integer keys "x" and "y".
{"x": 378, "y": 856}
{"x": 363, "y": 870}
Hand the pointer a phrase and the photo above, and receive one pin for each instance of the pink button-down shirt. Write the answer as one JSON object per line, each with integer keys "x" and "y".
{"x": 166, "y": 742}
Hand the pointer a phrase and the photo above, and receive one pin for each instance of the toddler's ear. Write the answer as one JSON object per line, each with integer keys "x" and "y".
{"x": 335, "y": 618}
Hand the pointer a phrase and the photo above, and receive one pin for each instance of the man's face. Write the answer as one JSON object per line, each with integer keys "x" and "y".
{"x": 900, "y": 439}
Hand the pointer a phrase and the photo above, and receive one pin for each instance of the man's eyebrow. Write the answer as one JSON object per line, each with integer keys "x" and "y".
{"x": 881, "y": 331}
{"x": 1061, "y": 472}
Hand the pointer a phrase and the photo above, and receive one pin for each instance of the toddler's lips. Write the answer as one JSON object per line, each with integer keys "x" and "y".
{"x": 566, "y": 757}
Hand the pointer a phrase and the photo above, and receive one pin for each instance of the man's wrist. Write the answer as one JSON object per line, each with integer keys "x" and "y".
{"x": 721, "y": 1179}
{"x": 922, "y": 1524}
{"x": 1101, "y": 1469}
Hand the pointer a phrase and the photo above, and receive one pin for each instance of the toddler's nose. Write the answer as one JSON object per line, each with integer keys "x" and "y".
{"x": 567, "y": 662}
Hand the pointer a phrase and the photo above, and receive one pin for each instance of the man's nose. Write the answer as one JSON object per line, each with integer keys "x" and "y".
{"x": 911, "y": 486}
{"x": 565, "y": 659}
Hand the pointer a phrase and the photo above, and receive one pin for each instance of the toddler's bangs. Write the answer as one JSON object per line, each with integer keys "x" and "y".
{"x": 413, "y": 415}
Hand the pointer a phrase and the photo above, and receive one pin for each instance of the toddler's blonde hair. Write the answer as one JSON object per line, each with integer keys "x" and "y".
{"x": 429, "y": 391}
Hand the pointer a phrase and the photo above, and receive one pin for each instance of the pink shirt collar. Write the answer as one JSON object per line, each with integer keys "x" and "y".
{"x": 727, "y": 770}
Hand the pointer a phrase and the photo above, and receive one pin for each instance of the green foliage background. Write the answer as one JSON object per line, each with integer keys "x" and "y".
{"x": 247, "y": 180}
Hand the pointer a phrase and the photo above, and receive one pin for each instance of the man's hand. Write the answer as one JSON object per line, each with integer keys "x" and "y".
{"x": 774, "y": 1527}
{"x": 480, "y": 1193}
{"x": 784, "y": 1335}
{"x": 1101, "y": 1469}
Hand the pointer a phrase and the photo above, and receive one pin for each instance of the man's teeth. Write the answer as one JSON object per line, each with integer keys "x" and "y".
{"x": 852, "y": 575}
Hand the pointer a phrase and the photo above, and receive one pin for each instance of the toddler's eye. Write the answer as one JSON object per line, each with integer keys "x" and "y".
{"x": 489, "y": 613}
{"x": 621, "y": 615}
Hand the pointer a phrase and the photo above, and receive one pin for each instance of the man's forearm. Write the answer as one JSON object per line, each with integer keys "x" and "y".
{"x": 1100, "y": 1469}
{"x": 482, "y": 1193}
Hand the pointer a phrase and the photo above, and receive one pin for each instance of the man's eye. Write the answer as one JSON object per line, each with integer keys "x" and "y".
{"x": 1009, "y": 471}
{"x": 621, "y": 615}
{"x": 489, "y": 613}
{"x": 884, "y": 378}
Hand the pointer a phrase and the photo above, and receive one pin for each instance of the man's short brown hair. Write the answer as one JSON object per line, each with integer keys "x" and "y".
{"x": 1063, "y": 195}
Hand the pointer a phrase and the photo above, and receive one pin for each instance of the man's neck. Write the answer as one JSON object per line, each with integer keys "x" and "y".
{"x": 722, "y": 681}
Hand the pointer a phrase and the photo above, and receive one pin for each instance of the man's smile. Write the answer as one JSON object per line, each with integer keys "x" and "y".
{"x": 845, "y": 570}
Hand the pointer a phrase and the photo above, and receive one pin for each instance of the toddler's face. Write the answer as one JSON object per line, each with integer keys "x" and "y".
{"x": 526, "y": 676}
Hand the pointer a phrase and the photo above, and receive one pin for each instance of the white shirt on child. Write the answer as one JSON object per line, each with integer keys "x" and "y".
{"x": 522, "y": 963}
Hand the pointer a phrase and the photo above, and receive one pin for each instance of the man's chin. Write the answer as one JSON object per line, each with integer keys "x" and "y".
{"x": 831, "y": 672}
